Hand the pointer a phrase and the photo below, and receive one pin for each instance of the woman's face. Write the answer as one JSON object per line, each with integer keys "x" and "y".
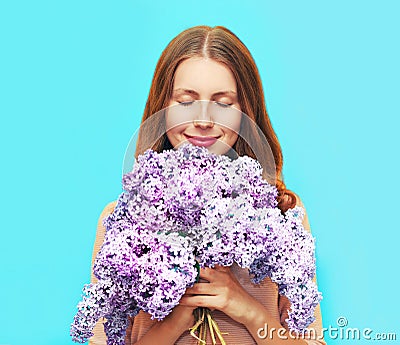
{"x": 204, "y": 108}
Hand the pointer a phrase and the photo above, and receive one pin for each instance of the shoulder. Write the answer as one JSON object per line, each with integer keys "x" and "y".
{"x": 299, "y": 202}
{"x": 101, "y": 230}
{"x": 109, "y": 208}
{"x": 100, "y": 234}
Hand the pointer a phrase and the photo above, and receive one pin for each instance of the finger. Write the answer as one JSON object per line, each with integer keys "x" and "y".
{"x": 208, "y": 273}
{"x": 212, "y": 302}
{"x": 201, "y": 289}
{"x": 222, "y": 268}
{"x": 214, "y": 274}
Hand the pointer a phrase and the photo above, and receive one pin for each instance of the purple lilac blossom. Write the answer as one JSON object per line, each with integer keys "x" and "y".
{"x": 186, "y": 205}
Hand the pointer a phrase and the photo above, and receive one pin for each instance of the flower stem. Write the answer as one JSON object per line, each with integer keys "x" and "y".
{"x": 205, "y": 322}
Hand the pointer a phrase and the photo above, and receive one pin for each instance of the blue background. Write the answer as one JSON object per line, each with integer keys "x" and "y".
{"x": 74, "y": 78}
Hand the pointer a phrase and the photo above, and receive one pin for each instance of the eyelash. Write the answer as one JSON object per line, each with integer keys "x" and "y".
{"x": 186, "y": 104}
{"x": 223, "y": 105}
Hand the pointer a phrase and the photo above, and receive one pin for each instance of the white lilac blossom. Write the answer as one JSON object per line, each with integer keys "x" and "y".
{"x": 187, "y": 207}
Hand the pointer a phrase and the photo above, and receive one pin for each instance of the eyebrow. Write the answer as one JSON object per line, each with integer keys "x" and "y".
{"x": 193, "y": 92}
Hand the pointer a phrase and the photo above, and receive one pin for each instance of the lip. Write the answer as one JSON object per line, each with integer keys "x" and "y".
{"x": 201, "y": 140}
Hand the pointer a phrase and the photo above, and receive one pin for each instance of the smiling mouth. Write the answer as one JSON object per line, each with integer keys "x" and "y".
{"x": 201, "y": 141}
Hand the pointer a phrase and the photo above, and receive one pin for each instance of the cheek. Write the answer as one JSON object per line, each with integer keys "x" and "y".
{"x": 236, "y": 121}
{"x": 174, "y": 120}
{"x": 230, "y": 120}
{"x": 172, "y": 135}
{"x": 231, "y": 126}
{"x": 232, "y": 136}
{"x": 174, "y": 131}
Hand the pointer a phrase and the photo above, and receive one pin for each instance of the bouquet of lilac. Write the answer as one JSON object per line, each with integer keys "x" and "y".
{"x": 184, "y": 208}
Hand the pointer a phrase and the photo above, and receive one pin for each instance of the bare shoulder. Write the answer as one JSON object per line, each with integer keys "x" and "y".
{"x": 299, "y": 202}
{"x": 109, "y": 208}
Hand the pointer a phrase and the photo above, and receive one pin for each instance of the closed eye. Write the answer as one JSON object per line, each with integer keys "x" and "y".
{"x": 186, "y": 104}
{"x": 224, "y": 105}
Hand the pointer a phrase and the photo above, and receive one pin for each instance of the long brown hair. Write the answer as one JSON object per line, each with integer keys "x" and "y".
{"x": 222, "y": 45}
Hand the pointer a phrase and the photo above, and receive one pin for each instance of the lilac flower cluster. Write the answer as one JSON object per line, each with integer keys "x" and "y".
{"x": 187, "y": 206}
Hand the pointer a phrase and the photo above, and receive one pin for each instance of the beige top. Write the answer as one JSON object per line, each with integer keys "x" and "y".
{"x": 266, "y": 292}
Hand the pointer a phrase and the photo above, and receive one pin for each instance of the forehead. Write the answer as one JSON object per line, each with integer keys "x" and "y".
{"x": 204, "y": 75}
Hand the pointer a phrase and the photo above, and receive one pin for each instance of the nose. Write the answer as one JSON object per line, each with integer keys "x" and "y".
{"x": 203, "y": 124}
{"x": 203, "y": 120}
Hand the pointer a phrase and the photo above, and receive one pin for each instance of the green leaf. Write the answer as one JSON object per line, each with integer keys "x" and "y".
{"x": 198, "y": 271}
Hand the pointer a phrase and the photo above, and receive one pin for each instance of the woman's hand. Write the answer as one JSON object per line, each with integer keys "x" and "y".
{"x": 167, "y": 331}
{"x": 222, "y": 292}
{"x": 181, "y": 318}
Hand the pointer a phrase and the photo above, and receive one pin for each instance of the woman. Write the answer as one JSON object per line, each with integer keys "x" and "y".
{"x": 212, "y": 64}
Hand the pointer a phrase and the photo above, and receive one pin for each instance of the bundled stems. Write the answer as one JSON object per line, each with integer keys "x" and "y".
{"x": 204, "y": 323}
